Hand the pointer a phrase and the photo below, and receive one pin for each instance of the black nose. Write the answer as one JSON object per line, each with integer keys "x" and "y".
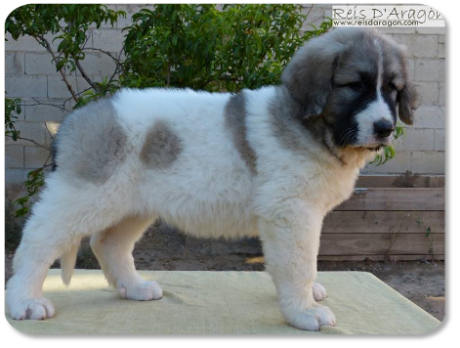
{"x": 383, "y": 128}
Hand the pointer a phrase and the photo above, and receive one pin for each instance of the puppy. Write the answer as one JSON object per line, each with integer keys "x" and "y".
{"x": 270, "y": 162}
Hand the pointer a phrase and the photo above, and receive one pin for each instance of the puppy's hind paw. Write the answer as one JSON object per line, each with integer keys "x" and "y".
{"x": 319, "y": 292}
{"x": 142, "y": 291}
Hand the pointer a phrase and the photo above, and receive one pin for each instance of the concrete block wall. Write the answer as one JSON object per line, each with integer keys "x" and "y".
{"x": 31, "y": 76}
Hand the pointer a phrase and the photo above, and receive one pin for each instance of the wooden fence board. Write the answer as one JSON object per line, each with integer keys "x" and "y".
{"x": 395, "y": 199}
{"x": 383, "y": 222}
{"x": 380, "y": 244}
{"x": 427, "y": 257}
{"x": 404, "y": 180}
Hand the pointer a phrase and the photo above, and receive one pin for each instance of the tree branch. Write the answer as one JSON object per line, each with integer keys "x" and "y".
{"x": 48, "y": 48}
{"x": 86, "y": 77}
{"x": 30, "y": 140}
{"x": 116, "y": 60}
{"x": 82, "y": 71}
{"x": 38, "y": 102}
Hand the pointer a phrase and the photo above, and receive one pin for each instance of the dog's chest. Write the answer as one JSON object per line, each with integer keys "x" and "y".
{"x": 337, "y": 187}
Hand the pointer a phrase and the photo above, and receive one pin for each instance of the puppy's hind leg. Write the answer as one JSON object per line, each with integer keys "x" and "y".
{"x": 113, "y": 248}
{"x": 59, "y": 220}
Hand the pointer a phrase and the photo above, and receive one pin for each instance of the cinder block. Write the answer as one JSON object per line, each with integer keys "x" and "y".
{"x": 37, "y": 112}
{"x": 439, "y": 140}
{"x": 124, "y": 22}
{"x": 411, "y": 68}
{"x": 429, "y": 92}
{"x": 35, "y": 157}
{"x": 441, "y": 50}
{"x": 428, "y": 162}
{"x": 15, "y": 176}
{"x": 26, "y": 86}
{"x": 441, "y": 38}
{"x": 315, "y": 17}
{"x": 23, "y": 43}
{"x": 442, "y": 93}
{"x": 14, "y": 63}
{"x": 416, "y": 140}
{"x": 14, "y": 183}
{"x": 431, "y": 30}
{"x": 324, "y": 6}
{"x": 397, "y": 30}
{"x": 27, "y": 43}
{"x": 133, "y": 8}
{"x": 58, "y": 89}
{"x": 399, "y": 164}
{"x": 430, "y": 70}
{"x": 108, "y": 39}
{"x": 429, "y": 117}
{"x": 40, "y": 64}
{"x": 14, "y": 156}
{"x": 35, "y": 131}
{"x": 419, "y": 46}
{"x": 98, "y": 63}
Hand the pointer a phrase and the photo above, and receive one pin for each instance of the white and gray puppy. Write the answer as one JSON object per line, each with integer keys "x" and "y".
{"x": 270, "y": 162}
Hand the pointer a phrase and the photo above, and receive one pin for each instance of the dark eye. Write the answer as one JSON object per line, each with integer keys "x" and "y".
{"x": 390, "y": 87}
{"x": 356, "y": 86}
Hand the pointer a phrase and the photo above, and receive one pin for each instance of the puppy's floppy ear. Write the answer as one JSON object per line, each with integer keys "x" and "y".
{"x": 308, "y": 76}
{"x": 408, "y": 100}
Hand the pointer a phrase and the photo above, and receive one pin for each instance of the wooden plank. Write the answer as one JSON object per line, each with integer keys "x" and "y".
{"x": 383, "y": 222}
{"x": 380, "y": 244}
{"x": 395, "y": 199}
{"x": 404, "y": 180}
{"x": 380, "y": 257}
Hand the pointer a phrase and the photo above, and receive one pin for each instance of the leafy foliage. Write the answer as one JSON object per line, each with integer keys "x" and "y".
{"x": 13, "y": 227}
{"x": 35, "y": 180}
{"x": 389, "y": 151}
{"x": 428, "y": 235}
{"x": 197, "y": 46}
{"x": 12, "y": 108}
{"x": 70, "y": 22}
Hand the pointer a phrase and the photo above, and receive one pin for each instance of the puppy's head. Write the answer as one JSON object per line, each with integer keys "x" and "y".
{"x": 356, "y": 79}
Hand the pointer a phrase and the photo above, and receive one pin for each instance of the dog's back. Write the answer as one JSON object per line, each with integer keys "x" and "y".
{"x": 180, "y": 153}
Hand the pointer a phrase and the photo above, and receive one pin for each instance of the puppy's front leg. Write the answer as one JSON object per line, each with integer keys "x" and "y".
{"x": 291, "y": 242}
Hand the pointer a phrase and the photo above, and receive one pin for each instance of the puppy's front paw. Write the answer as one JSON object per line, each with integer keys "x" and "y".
{"x": 33, "y": 309}
{"x": 311, "y": 319}
{"x": 142, "y": 291}
{"x": 319, "y": 292}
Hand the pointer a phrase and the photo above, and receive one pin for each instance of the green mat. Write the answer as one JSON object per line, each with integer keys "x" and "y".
{"x": 209, "y": 303}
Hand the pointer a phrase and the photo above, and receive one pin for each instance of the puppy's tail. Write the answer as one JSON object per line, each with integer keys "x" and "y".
{"x": 68, "y": 261}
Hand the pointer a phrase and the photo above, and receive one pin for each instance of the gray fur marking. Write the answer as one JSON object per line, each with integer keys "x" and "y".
{"x": 286, "y": 121}
{"x": 162, "y": 146}
{"x": 235, "y": 121}
{"x": 91, "y": 144}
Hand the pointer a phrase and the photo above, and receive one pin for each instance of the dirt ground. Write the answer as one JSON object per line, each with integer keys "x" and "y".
{"x": 163, "y": 248}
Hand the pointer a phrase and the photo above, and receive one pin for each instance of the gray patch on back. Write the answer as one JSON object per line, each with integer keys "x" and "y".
{"x": 90, "y": 143}
{"x": 235, "y": 121}
{"x": 162, "y": 146}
